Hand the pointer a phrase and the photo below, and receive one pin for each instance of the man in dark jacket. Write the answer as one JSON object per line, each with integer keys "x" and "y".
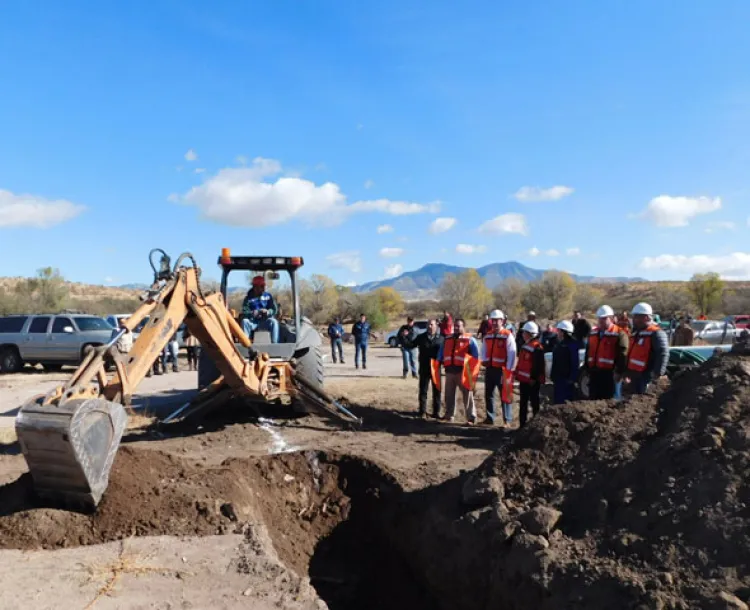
{"x": 405, "y": 339}
{"x": 361, "y": 332}
{"x": 336, "y": 334}
{"x": 581, "y": 328}
{"x": 565, "y": 364}
{"x": 429, "y": 344}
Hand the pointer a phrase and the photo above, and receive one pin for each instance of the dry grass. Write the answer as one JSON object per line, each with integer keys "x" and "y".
{"x": 110, "y": 573}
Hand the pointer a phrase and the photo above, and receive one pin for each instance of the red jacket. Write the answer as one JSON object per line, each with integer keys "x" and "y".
{"x": 446, "y": 326}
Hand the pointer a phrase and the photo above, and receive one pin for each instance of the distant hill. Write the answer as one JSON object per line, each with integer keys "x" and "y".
{"x": 425, "y": 281}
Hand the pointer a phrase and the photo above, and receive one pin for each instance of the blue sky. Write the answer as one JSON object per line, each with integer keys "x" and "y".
{"x": 602, "y": 138}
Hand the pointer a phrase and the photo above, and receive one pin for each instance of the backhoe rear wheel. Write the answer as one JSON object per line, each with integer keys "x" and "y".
{"x": 310, "y": 366}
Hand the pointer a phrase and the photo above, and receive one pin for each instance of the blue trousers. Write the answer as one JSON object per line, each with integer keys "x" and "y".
{"x": 410, "y": 360}
{"x": 564, "y": 391}
{"x": 360, "y": 347}
{"x": 337, "y": 345}
{"x": 249, "y": 326}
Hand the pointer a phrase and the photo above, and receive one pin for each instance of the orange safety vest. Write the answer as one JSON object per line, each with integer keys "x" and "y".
{"x": 526, "y": 361}
{"x": 603, "y": 348}
{"x": 496, "y": 349}
{"x": 640, "y": 348}
{"x": 455, "y": 350}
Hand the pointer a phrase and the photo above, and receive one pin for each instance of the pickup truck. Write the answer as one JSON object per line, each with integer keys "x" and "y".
{"x": 50, "y": 340}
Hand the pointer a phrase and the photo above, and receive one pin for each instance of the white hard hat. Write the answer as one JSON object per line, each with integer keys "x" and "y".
{"x": 604, "y": 311}
{"x": 532, "y": 313}
{"x": 531, "y": 328}
{"x": 642, "y": 308}
{"x": 496, "y": 314}
{"x": 566, "y": 326}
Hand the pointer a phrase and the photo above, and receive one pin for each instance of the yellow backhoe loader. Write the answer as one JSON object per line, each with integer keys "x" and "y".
{"x": 69, "y": 436}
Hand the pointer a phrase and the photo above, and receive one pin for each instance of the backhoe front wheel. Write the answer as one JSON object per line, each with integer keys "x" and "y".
{"x": 309, "y": 366}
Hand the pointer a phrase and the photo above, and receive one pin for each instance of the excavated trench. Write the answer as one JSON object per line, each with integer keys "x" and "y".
{"x": 329, "y": 516}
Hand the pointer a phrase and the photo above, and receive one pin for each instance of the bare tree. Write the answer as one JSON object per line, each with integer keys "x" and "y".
{"x": 465, "y": 294}
{"x": 552, "y": 294}
{"x": 509, "y": 296}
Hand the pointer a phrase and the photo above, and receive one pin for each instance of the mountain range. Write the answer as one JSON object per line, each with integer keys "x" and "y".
{"x": 425, "y": 281}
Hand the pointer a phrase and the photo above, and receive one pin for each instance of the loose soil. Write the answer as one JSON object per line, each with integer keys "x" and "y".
{"x": 638, "y": 504}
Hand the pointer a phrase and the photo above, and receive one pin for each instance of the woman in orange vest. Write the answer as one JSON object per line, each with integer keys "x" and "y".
{"x": 530, "y": 371}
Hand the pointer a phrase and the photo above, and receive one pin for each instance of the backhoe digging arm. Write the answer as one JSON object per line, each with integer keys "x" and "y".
{"x": 69, "y": 436}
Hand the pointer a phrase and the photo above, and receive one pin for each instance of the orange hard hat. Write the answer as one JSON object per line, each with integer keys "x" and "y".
{"x": 259, "y": 280}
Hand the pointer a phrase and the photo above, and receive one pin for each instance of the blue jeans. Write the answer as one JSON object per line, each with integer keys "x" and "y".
{"x": 337, "y": 345}
{"x": 410, "y": 361}
{"x": 170, "y": 349}
{"x": 618, "y": 390}
{"x": 360, "y": 347}
{"x": 249, "y": 326}
{"x": 493, "y": 380}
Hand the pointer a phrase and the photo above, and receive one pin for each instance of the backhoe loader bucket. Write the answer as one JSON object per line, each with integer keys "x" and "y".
{"x": 70, "y": 448}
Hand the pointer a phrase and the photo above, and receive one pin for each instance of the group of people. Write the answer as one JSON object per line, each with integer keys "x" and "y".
{"x": 616, "y": 351}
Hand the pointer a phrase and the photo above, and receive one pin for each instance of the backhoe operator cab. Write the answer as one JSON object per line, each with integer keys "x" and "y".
{"x": 298, "y": 339}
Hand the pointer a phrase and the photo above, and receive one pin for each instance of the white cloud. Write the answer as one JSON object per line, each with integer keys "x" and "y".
{"x": 256, "y": 196}
{"x": 504, "y": 224}
{"x": 552, "y": 252}
{"x": 350, "y": 284}
{"x": 469, "y": 249}
{"x": 536, "y": 193}
{"x": 441, "y": 225}
{"x": 191, "y": 155}
{"x": 385, "y": 229}
{"x": 345, "y": 260}
{"x": 241, "y": 160}
{"x": 369, "y": 184}
{"x": 397, "y": 208}
{"x": 199, "y": 170}
{"x": 33, "y": 211}
{"x": 391, "y": 252}
{"x": 109, "y": 280}
{"x": 729, "y": 266}
{"x": 573, "y": 251}
{"x": 392, "y": 271}
{"x": 720, "y": 225}
{"x": 534, "y": 251}
{"x": 668, "y": 211}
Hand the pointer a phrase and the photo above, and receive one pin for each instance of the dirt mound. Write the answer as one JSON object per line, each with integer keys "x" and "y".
{"x": 639, "y": 504}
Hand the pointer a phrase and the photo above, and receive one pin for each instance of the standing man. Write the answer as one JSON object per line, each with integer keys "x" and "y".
{"x": 446, "y": 324}
{"x": 684, "y": 335}
{"x": 606, "y": 355}
{"x": 459, "y": 355}
{"x": 581, "y": 328}
{"x": 648, "y": 355}
{"x": 530, "y": 372}
{"x": 498, "y": 359}
{"x": 336, "y": 334}
{"x": 429, "y": 345}
{"x": 485, "y": 327}
{"x": 361, "y": 332}
{"x": 259, "y": 309}
{"x": 406, "y": 336}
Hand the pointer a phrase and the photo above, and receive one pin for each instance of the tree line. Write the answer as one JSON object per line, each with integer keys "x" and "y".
{"x": 552, "y": 296}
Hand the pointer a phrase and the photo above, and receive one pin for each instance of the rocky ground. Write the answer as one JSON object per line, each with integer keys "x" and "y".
{"x": 639, "y": 504}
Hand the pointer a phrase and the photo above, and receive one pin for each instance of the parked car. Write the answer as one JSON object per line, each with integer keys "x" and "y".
{"x": 50, "y": 340}
{"x": 114, "y": 320}
{"x": 715, "y": 332}
{"x": 741, "y": 321}
{"x": 420, "y": 326}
